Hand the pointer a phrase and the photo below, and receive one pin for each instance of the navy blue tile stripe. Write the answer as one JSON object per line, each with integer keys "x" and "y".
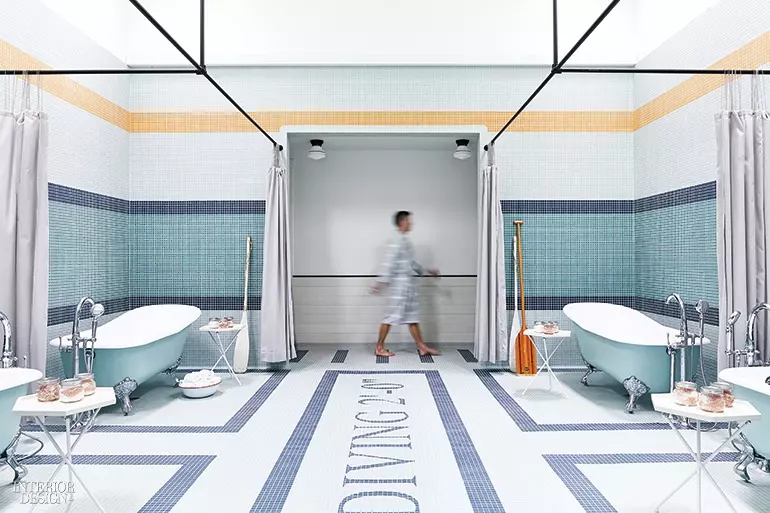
{"x": 382, "y": 359}
{"x": 700, "y": 192}
{"x": 467, "y": 355}
{"x": 164, "y": 500}
{"x": 590, "y": 498}
{"x": 233, "y": 425}
{"x": 567, "y": 206}
{"x": 300, "y": 355}
{"x": 72, "y": 196}
{"x": 340, "y": 356}
{"x": 659, "y": 307}
{"x": 559, "y": 302}
{"x": 199, "y": 207}
{"x": 426, "y": 358}
{"x": 202, "y": 302}
{"x": 66, "y": 314}
{"x": 528, "y": 424}
{"x": 480, "y": 490}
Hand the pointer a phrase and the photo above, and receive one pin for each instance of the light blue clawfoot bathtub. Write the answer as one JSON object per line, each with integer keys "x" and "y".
{"x": 13, "y": 384}
{"x": 750, "y": 384}
{"x": 134, "y": 347}
{"x": 626, "y": 345}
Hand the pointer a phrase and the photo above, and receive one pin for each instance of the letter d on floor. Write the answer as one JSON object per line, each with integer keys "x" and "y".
{"x": 367, "y": 495}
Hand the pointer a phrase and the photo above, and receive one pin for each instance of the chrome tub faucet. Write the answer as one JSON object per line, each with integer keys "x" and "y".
{"x": 97, "y": 310}
{"x": 9, "y": 360}
{"x": 750, "y": 347}
{"x": 683, "y": 331}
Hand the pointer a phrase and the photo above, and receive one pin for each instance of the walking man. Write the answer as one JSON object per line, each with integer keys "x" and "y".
{"x": 400, "y": 272}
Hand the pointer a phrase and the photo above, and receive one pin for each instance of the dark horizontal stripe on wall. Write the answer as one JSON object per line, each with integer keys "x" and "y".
{"x": 202, "y": 302}
{"x": 567, "y": 206}
{"x": 305, "y": 276}
{"x": 71, "y": 196}
{"x": 659, "y": 307}
{"x": 199, "y": 207}
{"x": 559, "y": 302}
{"x": 702, "y": 192}
{"x": 66, "y": 314}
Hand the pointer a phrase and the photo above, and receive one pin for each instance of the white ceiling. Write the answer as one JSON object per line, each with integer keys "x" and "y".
{"x": 332, "y": 142}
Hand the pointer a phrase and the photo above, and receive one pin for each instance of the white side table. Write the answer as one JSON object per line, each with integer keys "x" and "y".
{"x": 29, "y": 406}
{"x": 216, "y": 335}
{"x": 561, "y": 336}
{"x": 742, "y": 412}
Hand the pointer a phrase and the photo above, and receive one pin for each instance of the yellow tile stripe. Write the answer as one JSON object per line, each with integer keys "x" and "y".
{"x": 616, "y": 121}
{"x": 750, "y": 56}
{"x": 65, "y": 88}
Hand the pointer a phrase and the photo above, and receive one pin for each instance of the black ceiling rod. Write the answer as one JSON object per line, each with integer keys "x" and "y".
{"x": 203, "y": 34}
{"x": 555, "y": 34}
{"x": 201, "y": 69}
{"x": 658, "y": 71}
{"x": 126, "y": 71}
{"x": 557, "y": 68}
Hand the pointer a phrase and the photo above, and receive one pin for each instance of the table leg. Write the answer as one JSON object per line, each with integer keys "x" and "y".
{"x": 539, "y": 370}
{"x": 701, "y": 463}
{"x": 224, "y": 356}
{"x": 67, "y": 425}
{"x": 545, "y": 362}
{"x": 698, "y": 462}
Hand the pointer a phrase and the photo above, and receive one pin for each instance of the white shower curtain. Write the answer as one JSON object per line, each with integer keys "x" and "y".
{"x": 24, "y": 229}
{"x": 743, "y": 215}
{"x": 490, "y": 343}
{"x": 277, "y": 315}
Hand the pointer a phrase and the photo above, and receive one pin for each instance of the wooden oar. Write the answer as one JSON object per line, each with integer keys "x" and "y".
{"x": 525, "y": 356}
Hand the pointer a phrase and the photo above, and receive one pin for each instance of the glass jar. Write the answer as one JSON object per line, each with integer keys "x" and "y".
{"x": 48, "y": 389}
{"x": 226, "y": 322}
{"x": 711, "y": 399}
{"x": 88, "y": 382}
{"x": 686, "y": 393}
{"x": 538, "y": 327}
{"x": 727, "y": 391}
{"x": 551, "y": 328}
{"x": 71, "y": 391}
{"x": 214, "y": 322}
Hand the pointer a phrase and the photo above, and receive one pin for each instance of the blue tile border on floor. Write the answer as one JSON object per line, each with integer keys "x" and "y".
{"x": 164, "y": 500}
{"x": 233, "y": 425}
{"x": 382, "y": 359}
{"x": 590, "y": 498}
{"x": 300, "y": 355}
{"x": 426, "y": 358}
{"x": 467, "y": 355}
{"x": 528, "y": 424}
{"x": 481, "y": 493}
{"x": 340, "y": 356}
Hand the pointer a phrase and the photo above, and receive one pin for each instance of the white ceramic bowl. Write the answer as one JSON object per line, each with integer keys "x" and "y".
{"x": 197, "y": 391}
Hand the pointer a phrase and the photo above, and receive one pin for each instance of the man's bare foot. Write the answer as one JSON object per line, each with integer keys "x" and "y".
{"x": 381, "y": 351}
{"x": 425, "y": 350}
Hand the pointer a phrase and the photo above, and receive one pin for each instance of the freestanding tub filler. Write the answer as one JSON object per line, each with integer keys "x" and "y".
{"x": 627, "y": 345}
{"x": 13, "y": 384}
{"x": 752, "y": 384}
{"x": 134, "y": 347}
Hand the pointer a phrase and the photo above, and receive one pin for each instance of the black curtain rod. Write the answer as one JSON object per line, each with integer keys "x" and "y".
{"x": 655, "y": 71}
{"x": 127, "y": 71}
{"x": 201, "y": 68}
{"x": 556, "y": 68}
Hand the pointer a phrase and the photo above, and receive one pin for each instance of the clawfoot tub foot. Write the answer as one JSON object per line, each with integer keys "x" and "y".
{"x": 123, "y": 393}
{"x": 745, "y": 459}
{"x": 171, "y": 371}
{"x": 590, "y": 370}
{"x": 636, "y": 389}
{"x": 19, "y": 470}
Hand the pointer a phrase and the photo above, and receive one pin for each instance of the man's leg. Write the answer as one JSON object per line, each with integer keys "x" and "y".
{"x": 380, "y": 350}
{"x": 414, "y": 329}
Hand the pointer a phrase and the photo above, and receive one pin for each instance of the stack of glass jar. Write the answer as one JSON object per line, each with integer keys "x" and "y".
{"x": 69, "y": 390}
{"x": 713, "y": 398}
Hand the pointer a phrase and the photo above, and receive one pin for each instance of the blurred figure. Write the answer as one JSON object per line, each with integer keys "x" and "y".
{"x": 399, "y": 274}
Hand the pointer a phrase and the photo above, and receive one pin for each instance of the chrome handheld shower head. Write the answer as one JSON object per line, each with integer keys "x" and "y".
{"x": 97, "y": 310}
{"x": 733, "y": 319}
{"x": 702, "y": 306}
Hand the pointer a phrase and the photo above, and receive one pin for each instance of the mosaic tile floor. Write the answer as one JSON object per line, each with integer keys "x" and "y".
{"x": 340, "y": 431}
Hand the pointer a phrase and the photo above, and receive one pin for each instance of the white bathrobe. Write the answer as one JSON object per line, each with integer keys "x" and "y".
{"x": 400, "y": 272}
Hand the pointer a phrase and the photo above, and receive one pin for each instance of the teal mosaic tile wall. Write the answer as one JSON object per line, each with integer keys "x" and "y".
{"x": 199, "y": 255}
{"x": 573, "y": 255}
